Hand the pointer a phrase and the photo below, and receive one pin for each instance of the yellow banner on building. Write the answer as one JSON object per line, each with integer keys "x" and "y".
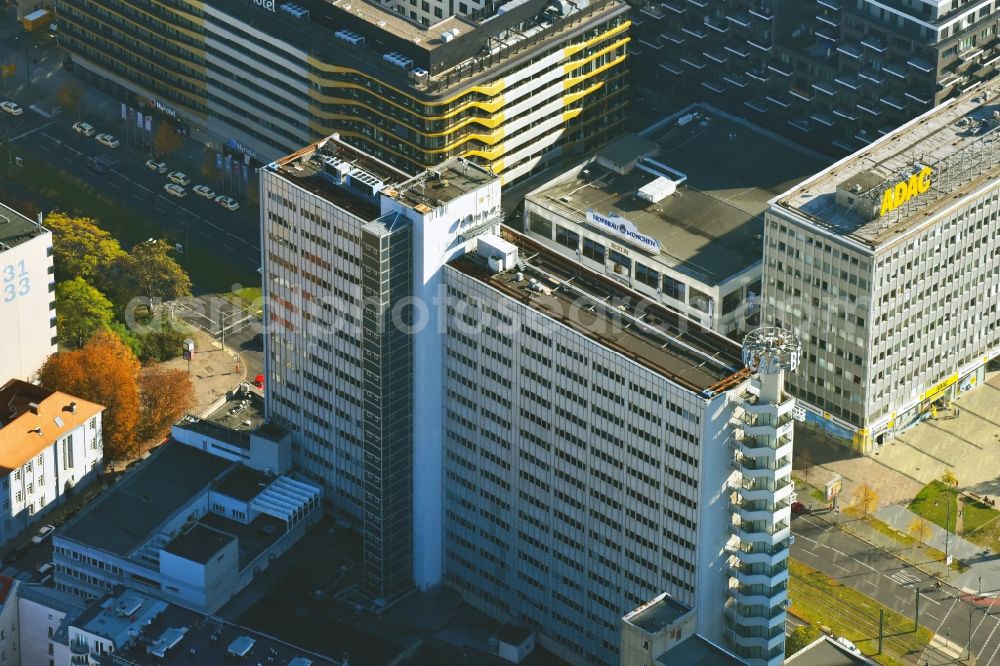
{"x": 936, "y": 390}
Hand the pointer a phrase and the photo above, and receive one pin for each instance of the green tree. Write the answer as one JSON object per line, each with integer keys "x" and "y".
{"x": 800, "y": 637}
{"x": 148, "y": 271}
{"x": 80, "y": 310}
{"x": 81, "y": 248}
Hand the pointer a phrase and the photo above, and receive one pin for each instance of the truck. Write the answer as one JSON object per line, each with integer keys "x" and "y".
{"x": 37, "y": 19}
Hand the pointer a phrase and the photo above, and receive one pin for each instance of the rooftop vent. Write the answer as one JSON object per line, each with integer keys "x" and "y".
{"x": 295, "y": 10}
{"x": 398, "y": 60}
{"x": 72, "y": 407}
{"x": 33, "y": 407}
{"x": 350, "y": 37}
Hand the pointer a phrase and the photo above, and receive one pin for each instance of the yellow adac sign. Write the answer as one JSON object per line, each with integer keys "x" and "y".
{"x": 894, "y": 197}
{"x": 936, "y": 390}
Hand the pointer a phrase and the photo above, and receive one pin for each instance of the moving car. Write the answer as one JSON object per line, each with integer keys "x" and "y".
{"x": 175, "y": 190}
{"x": 11, "y": 108}
{"x": 83, "y": 128}
{"x": 228, "y": 203}
{"x": 158, "y": 167}
{"x": 107, "y": 140}
{"x": 179, "y": 178}
{"x": 44, "y": 532}
{"x": 204, "y": 191}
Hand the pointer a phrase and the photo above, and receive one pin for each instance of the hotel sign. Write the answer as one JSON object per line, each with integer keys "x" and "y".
{"x": 903, "y": 191}
{"x": 623, "y": 229}
{"x": 265, "y": 4}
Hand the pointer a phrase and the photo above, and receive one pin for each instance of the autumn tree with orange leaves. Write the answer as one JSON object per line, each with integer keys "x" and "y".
{"x": 105, "y": 371}
{"x": 167, "y": 394}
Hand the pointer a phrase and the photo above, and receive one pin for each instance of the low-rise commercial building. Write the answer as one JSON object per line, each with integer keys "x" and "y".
{"x": 676, "y": 213}
{"x": 185, "y": 526}
{"x": 885, "y": 267}
{"x": 50, "y": 445}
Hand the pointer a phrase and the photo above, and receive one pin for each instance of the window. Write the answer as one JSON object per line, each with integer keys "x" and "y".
{"x": 647, "y": 275}
{"x": 539, "y": 225}
{"x": 701, "y": 301}
{"x": 593, "y": 250}
{"x": 673, "y": 288}
{"x": 731, "y": 301}
{"x": 620, "y": 259}
{"x": 570, "y": 239}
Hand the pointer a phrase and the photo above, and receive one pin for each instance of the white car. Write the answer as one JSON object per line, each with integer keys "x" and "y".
{"x": 11, "y": 108}
{"x": 179, "y": 178}
{"x": 44, "y": 532}
{"x": 227, "y": 202}
{"x": 204, "y": 191}
{"x": 175, "y": 190}
{"x": 107, "y": 140}
{"x": 83, "y": 128}
{"x": 158, "y": 167}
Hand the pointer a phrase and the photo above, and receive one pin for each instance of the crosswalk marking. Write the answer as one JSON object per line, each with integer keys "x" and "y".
{"x": 904, "y": 578}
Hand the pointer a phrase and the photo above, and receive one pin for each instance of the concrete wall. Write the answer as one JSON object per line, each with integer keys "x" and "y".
{"x": 28, "y": 321}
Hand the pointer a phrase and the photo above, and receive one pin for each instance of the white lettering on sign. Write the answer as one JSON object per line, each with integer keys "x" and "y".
{"x": 624, "y": 229}
{"x": 265, "y": 4}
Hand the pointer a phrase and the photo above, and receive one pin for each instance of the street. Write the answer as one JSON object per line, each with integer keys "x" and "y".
{"x": 893, "y": 583}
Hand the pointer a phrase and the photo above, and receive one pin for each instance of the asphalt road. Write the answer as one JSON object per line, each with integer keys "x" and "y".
{"x": 893, "y": 583}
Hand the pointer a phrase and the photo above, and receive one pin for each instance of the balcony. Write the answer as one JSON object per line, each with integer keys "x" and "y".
{"x": 920, "y": 97}
{"x": 759, "y": 642}
{"x": 694, "y": 61}
{"x": 893, "y": 102}
{"x": 655, "y": 11}
{"x": 801, "y": 124}
{"x": 920, "y": 65}
{"x": 874, "y": 43}
{"x": 780, "y": 68}
{"x": 673, "y": 37}
{"x": 872, "y": 76}
{"x": 829, "y": 19}
{"x": 760, "y": 46}
{"x": 699, "y": 3}
{"x": 863, "y": 137}
{"x": 738, "y": 50}
{"x": 741, "y": 19}
{"x": 851, "y": 50}
{"x": 829, "y": 36}
{"x": 784, "y": 102}
{"x": 654, "y": 42}
{"x": 738, "y": 80}
{"x": 762, "y": 75}
{"x": 804, "y": 95}
{"x": 829, "y": 4}
{"x": 762, "y": 11}
{"x": 697, "y": 33}
{"x": 714, "y": 86}
{"x": 847, "y": 113}
{"x": 824, "y": 87}
{"x": 672, "y": 67}
{"x": 676, "y": 6}
{"x": 897, "y": 70}
{"x": 753, "y": 617}
{"x": 717, "y": 24}
{"x": 756, "y": 104}
{"x": 848, "y": 81}
{"x": 716, "y": 56}
{"x": 823, "y": 118}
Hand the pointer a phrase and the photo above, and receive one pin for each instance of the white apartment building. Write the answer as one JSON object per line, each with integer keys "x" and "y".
{"x": 51, "y": 443}
{"x": 595, "y": 457}
{"x": 676, "y": 213}
{"x": 353, "y": 251}
{"x": 27, "y": 295}
{"x": 884, "y": 266}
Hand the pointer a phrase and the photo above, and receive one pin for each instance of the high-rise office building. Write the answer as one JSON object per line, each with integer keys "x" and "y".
{"x": 829, "y": 71}
{"x": 498, "y": 417}
{"x": 885, "y": 267}
{"x": 508, "y": 85}
{"x": 27, "y": 296}
{"x": 353, "y": 250}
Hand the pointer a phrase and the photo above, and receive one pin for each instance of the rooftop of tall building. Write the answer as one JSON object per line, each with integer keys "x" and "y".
{"x": 445, "y": 182}
{"x": 901, "y": 181}
{"x": 667, "y": 343}
{"x": 711, "y": 227}
{"x": 16, "y": 228}
{"x": 32, "y": 417}
{"x": 658, "y": 614}
{"x": 431, "y": 58}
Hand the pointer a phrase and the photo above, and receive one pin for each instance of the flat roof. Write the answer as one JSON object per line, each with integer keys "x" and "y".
{"x": 696, "y": 651}
{"x": 955, "y": 140}
{"x": 243, "y": 483}
{"x": 659, "y": 613}
{"x": 825, "y": 651}
{"x": 681, "y": 350}
{"x": 441, "y": 184}
{"x": 25, "y": 433}
{"x": 712, "y": 227}
{"x": 253, "y": 539}
{"x": 118, "y": 618}
{"x": 124, "y": 516}
{"x": 314, "y": 169}
{"x": 199, "y": 543}
{"x": 16, "y": 228}
{"x": 206, "y": 640}
{"x": 240, "y": 412}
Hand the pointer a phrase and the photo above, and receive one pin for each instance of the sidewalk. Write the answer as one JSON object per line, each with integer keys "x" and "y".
{"x": 213, "y": 372}
{"x": 983, "y": 574}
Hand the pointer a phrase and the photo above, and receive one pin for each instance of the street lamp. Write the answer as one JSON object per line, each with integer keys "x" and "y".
{"x": 947, "y": 531}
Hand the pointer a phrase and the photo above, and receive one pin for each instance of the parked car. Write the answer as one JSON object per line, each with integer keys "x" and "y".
{"x": 83, "y": 128}
{"x": 12, "y": 108}
{"x": 179, "y": 177}
{"x": 204, "y": 191}
{"x": 175, "y": 190}
{"x": 228, "y": 203}
{"x": 798, "y": 508}
{"x": 44, "y": 568}
{"x": 107, "y": 140}
{"x": 158, "y": 167}
{"x": 44, "y": 532}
